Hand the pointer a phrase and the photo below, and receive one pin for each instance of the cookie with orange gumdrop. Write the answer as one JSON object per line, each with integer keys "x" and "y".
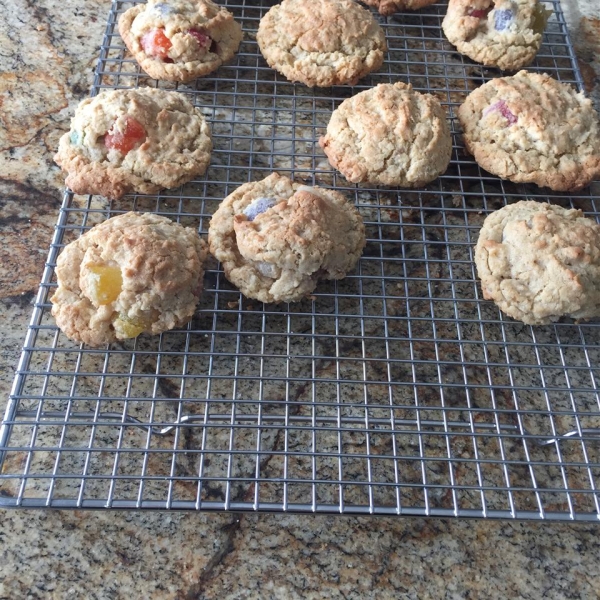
{"x": 180, "y": 40}
{"x": 141, "y": 140}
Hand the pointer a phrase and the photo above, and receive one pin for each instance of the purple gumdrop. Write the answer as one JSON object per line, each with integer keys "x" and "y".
{"x": 503, "y": 18}
{"x": 259, "y": 206}
{"x": 163, "y": 9}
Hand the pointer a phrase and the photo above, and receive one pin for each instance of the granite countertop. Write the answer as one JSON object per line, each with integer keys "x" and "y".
{"x": 48, "y": 53}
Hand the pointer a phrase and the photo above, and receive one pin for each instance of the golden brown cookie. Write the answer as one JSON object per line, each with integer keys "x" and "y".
{"x": 389, "y": 7}
{"x": 389, "y": 135}
{"x": 530, "y": 128}
{"x": 321, "y": 42}
{"x": 140, "y": 140}
{"x": 540, "y": 262}
{"x": 276, "y": 239}
{"x": 497, "y": 33}
{"x": 135, "y": 273}
{"x": 180, "y": 40}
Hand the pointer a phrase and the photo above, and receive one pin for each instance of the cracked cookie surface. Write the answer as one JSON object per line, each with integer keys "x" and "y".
{"x": 497, "y": 33}
{"x": 276, "y": 239}
{"x": 389, "y": 135}
{"x": 389, "y": 7}
{"x": 180, "y": 40}
{"x": 321, "y": 42}
{"x": 134, "y": 273}
{"x": 539, "y": 262}
{"x": 140, "y": 140}
{"x": 530, "y": 128}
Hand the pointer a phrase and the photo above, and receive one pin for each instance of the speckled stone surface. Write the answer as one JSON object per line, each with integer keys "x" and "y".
{"x": 48, "y": 51}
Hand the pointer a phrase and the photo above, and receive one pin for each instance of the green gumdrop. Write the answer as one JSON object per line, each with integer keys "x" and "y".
{"x": 76, "y": 137}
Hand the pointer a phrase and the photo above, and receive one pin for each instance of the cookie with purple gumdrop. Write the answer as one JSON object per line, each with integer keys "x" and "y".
{"x": 258, "y": 207}
{"x": 277, "y": 239}
{"x": 503, "y": 17}
{"x": 530, "y": 128}
{"x": 498, "y": 33}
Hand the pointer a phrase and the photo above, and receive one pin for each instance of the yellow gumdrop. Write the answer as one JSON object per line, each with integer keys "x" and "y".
{"x": 107, "y": 283}
{"x": 129, "y": 328}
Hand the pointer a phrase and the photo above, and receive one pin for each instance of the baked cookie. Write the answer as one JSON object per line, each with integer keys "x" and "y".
{"x": 141, "y": 140}
{"x": 276, "y": 239}
{"x": 539, "y": 262}
{"x": 135, "y": 273}
{"x": 389, "y": 135}
{"x": 321, "y": 42}
{"x": 497, "y": 33}
{"x": 180, "y": 40}
{"x": 530, "y": 128}
{"x": 389, "y": 7}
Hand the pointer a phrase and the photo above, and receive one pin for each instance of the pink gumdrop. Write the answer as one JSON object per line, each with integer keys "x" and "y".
{"x": 503, "y": 109}
{"x": 204, "y": 41}
{"x": 479, "y": 14}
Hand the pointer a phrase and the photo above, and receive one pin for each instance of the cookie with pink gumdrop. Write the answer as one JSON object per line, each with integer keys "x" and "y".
{"x": 497, "y": 33}
{"x": 531, "y": 128}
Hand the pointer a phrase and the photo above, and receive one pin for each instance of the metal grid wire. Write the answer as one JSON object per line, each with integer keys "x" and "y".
{"x": 397, "y": 390}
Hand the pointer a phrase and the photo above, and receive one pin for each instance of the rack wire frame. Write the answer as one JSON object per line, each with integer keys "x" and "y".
{"x": 396, "y": 391}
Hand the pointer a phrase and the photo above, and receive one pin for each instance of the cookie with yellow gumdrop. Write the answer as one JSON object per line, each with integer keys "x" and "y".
{"x": 134, "y": 273}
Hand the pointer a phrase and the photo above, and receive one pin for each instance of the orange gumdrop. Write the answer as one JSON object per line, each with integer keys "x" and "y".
{"x": 124, "y": 141}
{"x": 155, "y": 43}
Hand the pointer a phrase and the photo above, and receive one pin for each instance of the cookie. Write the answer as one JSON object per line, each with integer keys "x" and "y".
{"x": 389, "y": 135}
{"x": 276, "y": 239}
{"x": 389, "y": 7}
{"x": 180, "y": 40}
{"x": 497, "y": 33}
{"x": 135, "y": 273}
{"x": 539, "y": 262}
{"x": 141, "y": 140}
{"x": 530, "y": 128}
{"x": 321, "y": 42}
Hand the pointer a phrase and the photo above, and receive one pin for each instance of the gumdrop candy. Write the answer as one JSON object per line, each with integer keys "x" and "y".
{"x": 259, "y": 206}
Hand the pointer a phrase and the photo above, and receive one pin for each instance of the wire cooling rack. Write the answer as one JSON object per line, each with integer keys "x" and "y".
{"x": 397, "y": 390}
